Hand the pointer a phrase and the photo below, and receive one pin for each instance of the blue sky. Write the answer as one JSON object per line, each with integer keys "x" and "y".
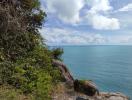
{"x": 87, "y": 22}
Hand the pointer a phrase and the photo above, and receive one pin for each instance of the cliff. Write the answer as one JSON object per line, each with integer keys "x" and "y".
{"x": 80, "y": 89}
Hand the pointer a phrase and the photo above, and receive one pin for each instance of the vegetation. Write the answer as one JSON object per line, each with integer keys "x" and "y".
{"x": 56, "y": 53}
{"x": 26, "y": 69}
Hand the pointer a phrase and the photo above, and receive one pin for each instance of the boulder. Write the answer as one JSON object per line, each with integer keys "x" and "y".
{"x": 64, "y": 70}
{"x": 86, "y": 87}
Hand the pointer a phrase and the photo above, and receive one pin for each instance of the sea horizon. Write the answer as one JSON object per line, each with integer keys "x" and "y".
{"x": 90, "y": 45}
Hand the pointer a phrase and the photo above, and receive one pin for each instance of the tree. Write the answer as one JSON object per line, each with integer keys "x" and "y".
{"x": 19, "y": 23}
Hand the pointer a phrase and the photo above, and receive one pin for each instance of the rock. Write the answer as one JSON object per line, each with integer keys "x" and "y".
{"x": 70, "y": 94}
{"x": 113, "y": 96}
{"x": 86, "y": 87}
{"x": 80, "y": 98}
{"x": 64, "y": 70}
{"x": 104, "y": 96}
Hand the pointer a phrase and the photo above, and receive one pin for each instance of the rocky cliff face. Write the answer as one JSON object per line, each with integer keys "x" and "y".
{"x": 80, "y": 90}
{"x": 64, "y": 70}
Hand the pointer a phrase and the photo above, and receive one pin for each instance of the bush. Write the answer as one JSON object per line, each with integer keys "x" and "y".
{"x": 32, "y": 74}
{"x": 33, "y": 81}
{"x": 57, "y": 53}
{"x": 44, "y": 86}
{"x": 6, "y": 71}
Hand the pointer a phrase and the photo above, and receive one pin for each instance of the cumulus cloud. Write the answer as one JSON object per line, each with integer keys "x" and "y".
{"x": 101, "y": 22}
{"x": 97, "y": 19}
{"x": 66, "y": 10}
{"x": 126, "y": 8}
{"x": 57, "y": 36}
{"x": 99, "y": 5}
{"x": 71, "y": 37}
{"x": 69, "y": 11}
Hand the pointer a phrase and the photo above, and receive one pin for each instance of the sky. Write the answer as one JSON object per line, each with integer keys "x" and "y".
{"x": 87, "y": 22}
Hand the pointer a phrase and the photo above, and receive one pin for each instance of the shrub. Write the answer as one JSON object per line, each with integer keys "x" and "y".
{"x": 6, "y": 71}
{"x": 57, "y": 53}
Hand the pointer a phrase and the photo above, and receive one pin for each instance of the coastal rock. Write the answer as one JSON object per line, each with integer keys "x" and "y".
{"x": 104, "y": 96}
{"x": 64, "y": 70}
{"x": 113, "y": 96}
{"x": 86, "y": 87}
{"x": 64, "y": 93}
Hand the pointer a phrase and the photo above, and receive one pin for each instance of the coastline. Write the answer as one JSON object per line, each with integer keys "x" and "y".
{"x": 64, "y": 92}
{"x": 67, "y": 91}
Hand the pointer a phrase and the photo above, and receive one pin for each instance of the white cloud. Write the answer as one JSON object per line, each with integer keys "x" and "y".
{"x": 126, "y": 8}
{"x": 101, "y": 22}
{"x": 98, "y": 20}
{"x": 57, "y": 36}
{"x": 71, "y": 37}
{"x": 66, "y": 10}
{"x": 99, "y": 5}
{"x": 121, "y": 39}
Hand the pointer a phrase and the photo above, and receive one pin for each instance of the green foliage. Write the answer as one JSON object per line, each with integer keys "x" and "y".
{"x": 30, "y": 4}
{"x": 20, "y": 27}
{"x": 32, "y": 80}
{"x": 15, "y": 46}
{"x": 25, "y": 61}
{"x": 56, "y": 53}
{"x": 2, "y": 57}
{"x": 32, "y": 74}
{"x": 6, "y": 71}
{"x": 44, "y": 86}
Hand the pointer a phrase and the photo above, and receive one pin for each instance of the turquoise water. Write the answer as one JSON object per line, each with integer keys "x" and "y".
{"x": 110, "y": 67}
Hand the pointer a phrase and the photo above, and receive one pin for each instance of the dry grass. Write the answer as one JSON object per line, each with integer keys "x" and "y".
{"x": 8, "y": 93}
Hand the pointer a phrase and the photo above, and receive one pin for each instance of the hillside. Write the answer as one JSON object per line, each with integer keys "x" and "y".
{"x": 26, "y": 69}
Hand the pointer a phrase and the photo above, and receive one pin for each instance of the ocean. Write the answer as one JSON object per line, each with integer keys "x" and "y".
{"x": 110, "y": 67}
